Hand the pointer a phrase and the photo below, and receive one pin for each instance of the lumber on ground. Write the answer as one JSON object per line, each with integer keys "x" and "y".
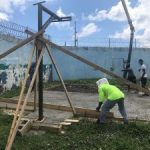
{"x": 65, "y": 123}
{"x": 71, "y": 120}
{"x": 83, "y": 112}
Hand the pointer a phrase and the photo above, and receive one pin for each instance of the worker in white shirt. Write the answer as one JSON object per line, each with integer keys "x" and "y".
{"x": 143, "y": 74}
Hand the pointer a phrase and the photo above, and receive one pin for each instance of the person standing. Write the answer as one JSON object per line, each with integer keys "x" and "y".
{"x": 31, "y": 73}
{"x": 143, "y": 74}
{"x": 130, "y": 75}
{"x": 109, "y": 96}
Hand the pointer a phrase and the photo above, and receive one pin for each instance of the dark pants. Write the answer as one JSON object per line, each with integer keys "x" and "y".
{"x": 143, "y": 82}
{"x": 132, "y": 79}
{"x": 109, "y": 105}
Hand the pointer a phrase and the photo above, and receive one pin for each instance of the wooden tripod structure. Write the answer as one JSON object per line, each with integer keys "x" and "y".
{"x": 41, "y": 44}
{"x": 40, "y": 47}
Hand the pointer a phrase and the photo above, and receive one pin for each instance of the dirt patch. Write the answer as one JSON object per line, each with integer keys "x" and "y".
{"x": 76, "y": 88}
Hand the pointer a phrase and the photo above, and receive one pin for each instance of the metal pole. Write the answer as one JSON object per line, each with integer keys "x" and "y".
{"x": 39, "y": 49}
{"x": 75, "y": 35}
{"x": 109, "y": 42}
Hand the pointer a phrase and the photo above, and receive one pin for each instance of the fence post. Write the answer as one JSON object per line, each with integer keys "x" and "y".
{"x": 109, "y": 42}
{"x": 135, "y": 42}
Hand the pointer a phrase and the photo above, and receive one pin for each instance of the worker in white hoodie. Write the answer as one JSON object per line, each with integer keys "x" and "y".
{"x": 109, "y": 96}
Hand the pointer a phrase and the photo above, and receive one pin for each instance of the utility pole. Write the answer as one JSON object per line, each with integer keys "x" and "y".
{"x": 75, "y": 35}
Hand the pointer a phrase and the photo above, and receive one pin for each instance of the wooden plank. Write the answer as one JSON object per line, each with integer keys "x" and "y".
{"x": 80, "y": 111}
{"x": 60, "y": 77}
{"x": 97, "y": 67}
{"x": 20, "y": 44}
{"x": 83, "y": 112}
{"x": 65, "y": 123}
{"x": 21, "y": 94}
{"x": 13, "y": 106}
{"x": 71, "y": 120}
{"x": 93, "y": 65}
{"x": 12, "y": 136}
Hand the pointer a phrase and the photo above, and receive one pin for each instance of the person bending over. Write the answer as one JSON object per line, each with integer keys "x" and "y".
{"x": 109, "y": 96}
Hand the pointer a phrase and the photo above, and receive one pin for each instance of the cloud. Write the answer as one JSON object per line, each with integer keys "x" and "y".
{"x": 116, "y": 13}
{"x": 4, "y": 16}
{"x": 138, "y": 13}
{"x": 7, "y": 6}
{"x": 63, "y": 25}
{"x": 60, "y": 13}
{"x": 88, "y": 30}
{"x": 141, "y": 22}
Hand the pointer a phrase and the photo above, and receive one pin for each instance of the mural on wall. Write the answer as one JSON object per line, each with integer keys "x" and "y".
{"x": 11, "y": 76}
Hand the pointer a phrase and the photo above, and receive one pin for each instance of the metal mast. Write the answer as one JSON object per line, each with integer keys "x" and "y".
{"x": 131, "y": 35}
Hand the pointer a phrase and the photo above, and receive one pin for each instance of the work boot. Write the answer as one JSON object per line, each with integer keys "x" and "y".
{"x": 98, "y": 121}
{"x": 126, "y": 122}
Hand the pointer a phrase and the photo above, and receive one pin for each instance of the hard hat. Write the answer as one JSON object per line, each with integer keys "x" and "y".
{"x": 102, "y": 81}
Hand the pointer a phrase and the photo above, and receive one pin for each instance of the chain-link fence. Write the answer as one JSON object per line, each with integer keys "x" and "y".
{"x": 102, "y": 42}
{"x": 10, "y": 30}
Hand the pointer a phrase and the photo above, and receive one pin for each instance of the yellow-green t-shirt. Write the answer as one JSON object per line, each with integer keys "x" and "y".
{"x": 110, "y": 92}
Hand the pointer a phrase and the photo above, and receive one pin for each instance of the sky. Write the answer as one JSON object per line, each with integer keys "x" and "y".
{"x": 96, "y": 20}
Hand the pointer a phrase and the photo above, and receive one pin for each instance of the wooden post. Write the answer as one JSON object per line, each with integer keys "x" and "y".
{"x": 20, "y": 44}
{"x": 62, "y": 82}
{"x": 10, "y": 142}
{"x": 21, "y": 93}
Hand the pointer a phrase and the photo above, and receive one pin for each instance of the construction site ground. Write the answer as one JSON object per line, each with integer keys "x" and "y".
{"x": 137, "y": 107}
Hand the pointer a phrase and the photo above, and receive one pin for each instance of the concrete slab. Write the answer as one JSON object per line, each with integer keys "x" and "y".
{"x": 137, "y": 107}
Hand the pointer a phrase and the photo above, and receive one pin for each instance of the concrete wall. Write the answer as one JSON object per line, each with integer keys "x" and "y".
{"x": 70, "y": 68}
{"x": 106, "y": 57}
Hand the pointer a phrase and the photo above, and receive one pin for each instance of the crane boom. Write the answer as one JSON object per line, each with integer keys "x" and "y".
{"x": 131, "y": 36}
{"x": 127, "y": 15}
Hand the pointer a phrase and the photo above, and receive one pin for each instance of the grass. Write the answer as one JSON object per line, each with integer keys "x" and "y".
{"x": 88, "y": 82}
{"x": 84, "y": 136}
{"x": 50, "y": 85}
{"x": 11, "y": 93}
{"x": 5, "y": 123}
{"x": 58, "y": 83}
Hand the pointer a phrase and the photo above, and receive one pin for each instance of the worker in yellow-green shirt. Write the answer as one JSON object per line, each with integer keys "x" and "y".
{"x": 109, "y": 96}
